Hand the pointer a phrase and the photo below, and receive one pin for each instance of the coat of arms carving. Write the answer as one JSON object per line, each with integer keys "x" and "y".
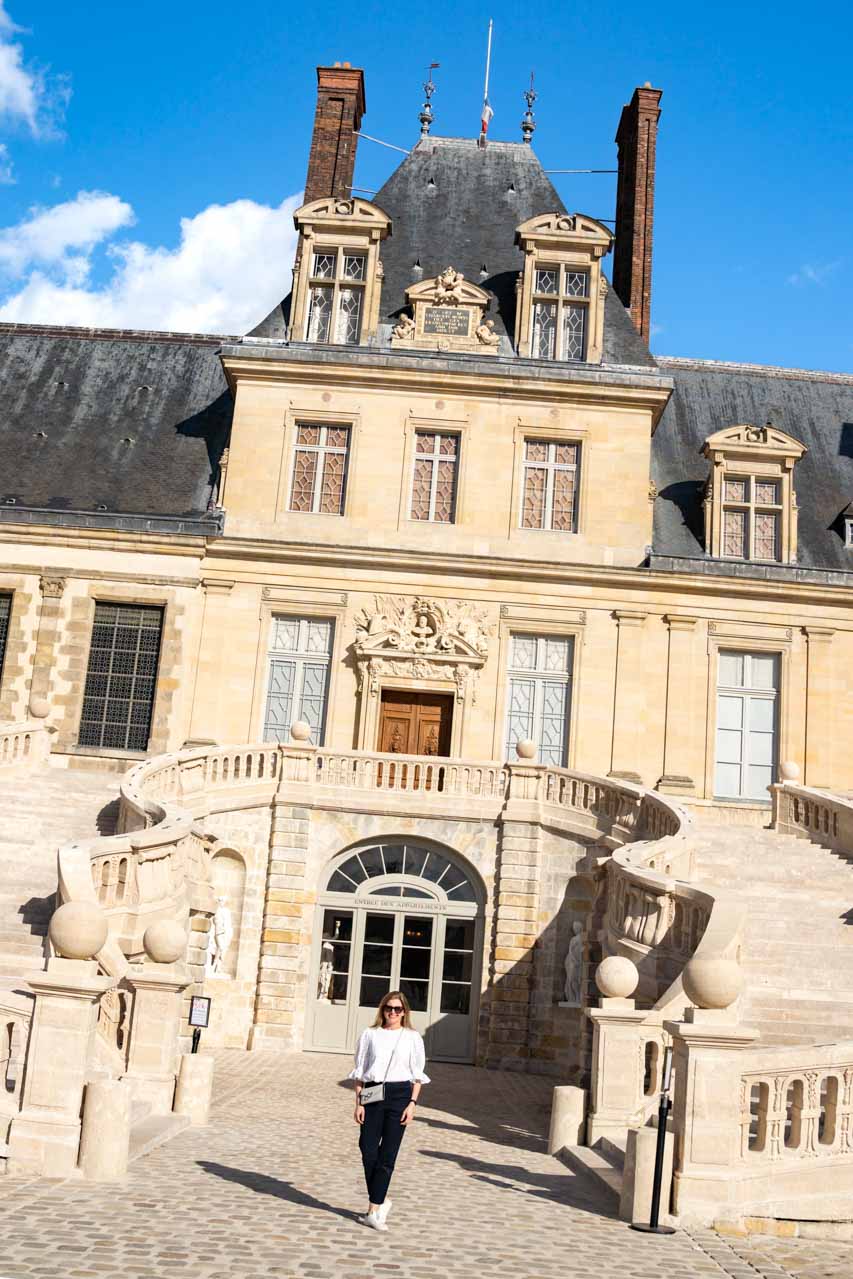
{"x": 421, "y": 639}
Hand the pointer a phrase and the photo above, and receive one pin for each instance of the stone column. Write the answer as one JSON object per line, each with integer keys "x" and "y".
{"x": 152, "y": 1063}
{"x": 515, "y": 915}
{"x": 285, "y": 933}
{"x": 44, "y": 1137}
{"x": 629, "y": 701}
{"x": 679, "y": 751}
{"x": 820, "y": 708}
{"x": 616, "y": 1089}
{"x": 52, "y": 589}
{"x": 210, "y": 677}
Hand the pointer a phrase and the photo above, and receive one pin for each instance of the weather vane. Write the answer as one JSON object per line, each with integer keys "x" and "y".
{"x": 425, "y": 116}
{"x": 528, "y": 124}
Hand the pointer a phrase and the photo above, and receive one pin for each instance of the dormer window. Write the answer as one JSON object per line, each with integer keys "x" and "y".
{"x": 560, "y": 313}
{"x": 337, "y": 276}
{"x": 848, "y": 533}
{"x": 336, "y": 302}
{"x": 750, "y": 503}
{"x": 560, "y": 306}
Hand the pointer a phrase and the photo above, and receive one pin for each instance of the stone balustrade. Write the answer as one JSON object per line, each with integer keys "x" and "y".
{"x": 24, "y": 745}
{"x": 796, "y": 1104}
{"x": 15, "y": 1016}
{"x": 823, "y": 818}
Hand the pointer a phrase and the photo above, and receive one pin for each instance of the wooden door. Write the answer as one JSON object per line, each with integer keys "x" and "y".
{"x": 415, "y": 723}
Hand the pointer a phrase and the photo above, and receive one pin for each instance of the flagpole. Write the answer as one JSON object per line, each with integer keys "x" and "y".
{"x": 487, "y": 111}
{"x": 488, "y": 63}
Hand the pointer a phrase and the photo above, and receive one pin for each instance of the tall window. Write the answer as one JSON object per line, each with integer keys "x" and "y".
{"x": 434, "y": 480}
{"x": 336, "y": 296}
{"x": 560, "y": 313}
{"x": 752, "y": 517}
{"x": 300, "y": 653}
{"x": 747, "y": 692}
{"x": 118, "y": 698}
{"x": 320, "y": 469}
{"x": 539, "y": 695}
{"x": 5, "y": 611}
{"x": 549, "y": 492}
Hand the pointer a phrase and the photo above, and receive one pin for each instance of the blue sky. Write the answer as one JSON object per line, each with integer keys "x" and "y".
{"x": 152, "y": 155}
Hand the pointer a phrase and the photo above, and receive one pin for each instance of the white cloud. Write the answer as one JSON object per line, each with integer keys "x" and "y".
{"x": 29, "y": 96}
{"x": 7, "y": 176}
{"x": 230, "y": 268}
{"x": 814, "y": 272}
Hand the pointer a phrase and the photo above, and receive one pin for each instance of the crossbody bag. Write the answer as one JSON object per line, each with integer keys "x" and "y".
{"x": 376, "y": 1092}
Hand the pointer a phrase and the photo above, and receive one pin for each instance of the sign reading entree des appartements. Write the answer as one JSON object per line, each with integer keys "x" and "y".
{"x": 454, "y": 321}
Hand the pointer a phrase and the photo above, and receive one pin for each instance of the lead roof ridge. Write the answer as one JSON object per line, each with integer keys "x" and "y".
{"x": 762, "y": 370}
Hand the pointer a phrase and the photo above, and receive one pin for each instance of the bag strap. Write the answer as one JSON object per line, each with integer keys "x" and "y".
{"x": 393, "y": 1054}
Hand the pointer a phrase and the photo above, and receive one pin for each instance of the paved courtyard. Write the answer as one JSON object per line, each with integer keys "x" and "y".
{"x": 271, "y": 1190}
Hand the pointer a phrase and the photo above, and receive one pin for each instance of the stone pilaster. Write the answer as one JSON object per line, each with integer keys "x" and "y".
{"x": 515, "y": 921}
{"x": 616, "y": 1085}
{"x": 52, "y": 589}
{"x": 152, "y": 1063}
{"x": 821, "y": 697}
{"x": 211, "y": 675}
{"x": 44, "y": 1138}
{"x": 629, "y": 698}
{"x": 677, "y": 777}
{"x": 286, "y": 928}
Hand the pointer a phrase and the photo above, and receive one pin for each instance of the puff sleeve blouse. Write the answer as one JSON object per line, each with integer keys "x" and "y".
{"x": 400, "y": 1053}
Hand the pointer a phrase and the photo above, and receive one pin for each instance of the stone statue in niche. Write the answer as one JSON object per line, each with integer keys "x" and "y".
{"x": 485, "y": 333}
{"x": 405, "y": 328}
{"x": 220, "y": 937}
{"x": 574, "y": 966}
{"x": 324, "y": 984}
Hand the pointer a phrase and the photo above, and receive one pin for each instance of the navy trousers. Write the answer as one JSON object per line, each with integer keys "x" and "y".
{"x": 381, "y": 1134}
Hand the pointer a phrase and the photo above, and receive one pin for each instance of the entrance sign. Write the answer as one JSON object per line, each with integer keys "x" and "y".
{"x": 200, "y": 1011}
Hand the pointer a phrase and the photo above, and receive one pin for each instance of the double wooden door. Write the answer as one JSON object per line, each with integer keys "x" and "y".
{"x": 415, "y": 723}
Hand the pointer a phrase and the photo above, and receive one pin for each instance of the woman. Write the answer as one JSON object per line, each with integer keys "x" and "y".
{"x": 391, "y": 1053}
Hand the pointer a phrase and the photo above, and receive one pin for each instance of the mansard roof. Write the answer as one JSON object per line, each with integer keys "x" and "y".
{"x": 127, "y": 421}
{"x": 452, "y": 203}
{"x": 813, "y": 408}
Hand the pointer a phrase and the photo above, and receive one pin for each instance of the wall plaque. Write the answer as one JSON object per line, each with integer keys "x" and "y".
{"x": 452, "y": 320}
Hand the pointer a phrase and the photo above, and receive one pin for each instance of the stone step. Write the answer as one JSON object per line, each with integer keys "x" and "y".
{"x": 153, "y": 1131}
{"x": 594, "y": 1165}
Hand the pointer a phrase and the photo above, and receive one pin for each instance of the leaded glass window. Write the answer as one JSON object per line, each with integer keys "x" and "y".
{"x": 752, "y": 517}
{"x": 118, "y": 697}
{"x": 539, "y": 695}
{"x": 336, "y": 296}
{"x": 434, "y": 477}
{"x": 560, "y": 313}
{"x": 299, "y": 659}
{"x": 549, "y": 491}
{"x": 5, "y": 612}
{"x": 319, "y": 469}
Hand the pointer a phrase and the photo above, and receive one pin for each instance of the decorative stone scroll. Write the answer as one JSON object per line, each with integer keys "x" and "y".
{"x": 448, "y": 315}
{"x": 421, "y": 639}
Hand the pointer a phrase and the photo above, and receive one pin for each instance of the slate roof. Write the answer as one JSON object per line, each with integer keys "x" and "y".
{"x": 132, "y": 422}
{"x": 454, "y": 204}
{"x": 815, "y": 408}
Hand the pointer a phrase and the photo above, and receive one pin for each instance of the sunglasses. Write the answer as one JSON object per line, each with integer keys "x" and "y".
{"x": 393, "y": 1008}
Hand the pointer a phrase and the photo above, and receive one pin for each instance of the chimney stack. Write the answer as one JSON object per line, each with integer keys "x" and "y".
{"x": 636, "y": 139}
{"x": 340, "y": 106}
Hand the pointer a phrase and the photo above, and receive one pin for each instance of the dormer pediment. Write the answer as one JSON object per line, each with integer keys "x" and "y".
{"x": 569, "y": 230}
{"x": 745, "y": 439}
{"x": 449, "y": 289}
{"x": 332, "y": 214}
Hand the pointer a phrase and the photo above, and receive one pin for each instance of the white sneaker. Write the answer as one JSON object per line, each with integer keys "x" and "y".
{"x": 372, "y": 1219}
{"x": 383, "y": 1211}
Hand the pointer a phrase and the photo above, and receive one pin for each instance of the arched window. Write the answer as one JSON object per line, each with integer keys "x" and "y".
{"x": 441, "y": 879}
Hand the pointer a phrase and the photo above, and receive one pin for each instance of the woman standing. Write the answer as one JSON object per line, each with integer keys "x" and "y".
{"x": 390, "y": 1055}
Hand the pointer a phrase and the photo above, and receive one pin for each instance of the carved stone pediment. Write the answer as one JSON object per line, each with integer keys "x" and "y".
{"x": 421, "y": 639}
{"x": 566, "y": 230}
{"x": 745, "y": 438}
{"x": 448, "y": 314}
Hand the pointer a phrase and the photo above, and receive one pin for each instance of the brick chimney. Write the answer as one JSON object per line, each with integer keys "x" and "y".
{"x": 340, "y": 106}
{"x": 636, "y": 139}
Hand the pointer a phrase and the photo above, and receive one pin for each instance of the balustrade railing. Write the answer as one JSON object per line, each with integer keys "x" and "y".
{"x": 26, "y": 744}
{"x": 813, "y": 814}
{"x": 15, "y": 1017}
{"x": 796, "y": 1103}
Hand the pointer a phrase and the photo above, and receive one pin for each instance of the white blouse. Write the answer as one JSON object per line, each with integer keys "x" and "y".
{"x": 374, "y": 1052}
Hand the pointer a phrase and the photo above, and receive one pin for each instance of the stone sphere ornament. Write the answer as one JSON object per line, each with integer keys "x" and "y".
{"x": 789, "y": 771}
{"x": 78, "y": 930}
{"x": 165, "y": 942}
{"x": 711, "y": 981}
{"x": 300, "y": 731}
{"x": 39, "y": 707}
{"x": 526, "y": 748}
{"x": 617, "y": 977}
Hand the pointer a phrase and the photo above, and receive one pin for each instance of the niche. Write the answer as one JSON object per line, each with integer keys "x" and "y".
{"x": 228, "y": 876}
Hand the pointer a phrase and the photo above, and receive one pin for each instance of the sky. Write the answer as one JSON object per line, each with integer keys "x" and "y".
{"x": 151, "y": 156}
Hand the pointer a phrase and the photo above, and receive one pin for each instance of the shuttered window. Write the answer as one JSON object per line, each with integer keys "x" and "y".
{"x": 5, "y": 612}
{"x": 300, "y": 652}
{"x": 539, "y": 695}
{"x": 121, "y": 678}
{"x": 747, "y": 695}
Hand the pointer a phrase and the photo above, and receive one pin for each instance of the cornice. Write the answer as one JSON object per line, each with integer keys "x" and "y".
{"x": 173, "y": 544}
{"x": 430, "y": 563}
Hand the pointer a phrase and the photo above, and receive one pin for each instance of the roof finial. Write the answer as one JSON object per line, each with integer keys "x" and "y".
{"x": 528, "y": 124}
{"x": 425, "y": 116}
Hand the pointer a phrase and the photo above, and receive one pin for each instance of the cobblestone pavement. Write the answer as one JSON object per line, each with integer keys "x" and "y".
{"x": 272, "y": 1188}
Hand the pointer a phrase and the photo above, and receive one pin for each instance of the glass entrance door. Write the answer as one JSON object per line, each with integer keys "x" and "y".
{"x": 396, "y": 954}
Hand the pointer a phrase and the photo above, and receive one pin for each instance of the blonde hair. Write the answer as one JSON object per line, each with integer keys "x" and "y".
{"x": 380, "y": 1011}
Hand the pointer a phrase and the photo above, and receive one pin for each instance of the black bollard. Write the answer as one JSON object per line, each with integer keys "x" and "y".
{"x": 196, "y": 1038}
{"x": 654, "y": 1227}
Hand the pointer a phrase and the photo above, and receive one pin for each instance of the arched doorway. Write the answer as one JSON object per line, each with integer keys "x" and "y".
{"x": 397, "y": 916}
